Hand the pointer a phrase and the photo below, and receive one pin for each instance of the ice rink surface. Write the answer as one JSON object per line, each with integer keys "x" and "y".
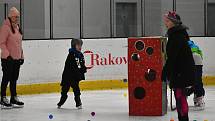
{"x": 110, "y": 105}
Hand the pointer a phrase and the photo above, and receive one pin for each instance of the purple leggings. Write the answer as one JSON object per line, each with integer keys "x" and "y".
{"x": 181, "y": 104}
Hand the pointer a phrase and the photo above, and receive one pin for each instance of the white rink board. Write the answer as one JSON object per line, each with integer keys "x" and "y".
{"x": 207, "y": 44}
{"x": 44, "y": 59}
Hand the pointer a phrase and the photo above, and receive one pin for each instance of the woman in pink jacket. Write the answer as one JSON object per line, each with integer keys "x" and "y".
{"x": 11, "y": 57}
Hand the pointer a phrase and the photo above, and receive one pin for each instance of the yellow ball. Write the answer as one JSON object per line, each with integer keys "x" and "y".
{"x": 125, "y": 94}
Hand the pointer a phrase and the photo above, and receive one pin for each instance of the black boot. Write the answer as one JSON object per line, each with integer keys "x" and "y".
{"x": 62, "y": 101}
{"x": 15, "y": 102}
{"x": 5, "y": 103}
{"x": 78, "y": 102}
{"x": 188, "y": 91}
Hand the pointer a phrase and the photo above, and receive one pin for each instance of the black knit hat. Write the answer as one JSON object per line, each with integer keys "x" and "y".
{"x": 174, "y": 17}
{"x": 75, "y": 42}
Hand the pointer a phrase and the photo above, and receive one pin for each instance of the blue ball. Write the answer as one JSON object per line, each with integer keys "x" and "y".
{"x": 125, "y": 80}
{"x": 50, "y": 116}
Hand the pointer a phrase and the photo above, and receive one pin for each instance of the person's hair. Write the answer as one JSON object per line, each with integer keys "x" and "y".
{"x": 178, "y": 18}
{"x": 75, "y": 42}
{"x": 12, "y": 29}
{"x": 174, "y": 17}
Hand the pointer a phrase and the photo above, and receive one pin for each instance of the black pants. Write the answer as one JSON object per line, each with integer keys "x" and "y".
{"x": 10, "y": 70}
{"x": 198, "y": 87}
{"x": 74, "y": 85}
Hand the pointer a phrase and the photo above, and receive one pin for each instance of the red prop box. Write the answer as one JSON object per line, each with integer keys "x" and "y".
{"x": 147, "y": 92}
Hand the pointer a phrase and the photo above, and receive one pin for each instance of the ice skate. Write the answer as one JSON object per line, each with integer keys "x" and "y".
{"x": 199, "y": 103}
{"x": 62, "y": 101}
{"x": 79, "y": 107}
{"x": 16, "y": 103}
{"x": 5, "y": 103}
{"x": 78, "y": 102}
{"x": 194, "y": 100}
{"x": 58, "y": 106}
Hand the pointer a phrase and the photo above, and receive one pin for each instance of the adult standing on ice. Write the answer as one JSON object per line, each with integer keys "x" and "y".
{"x": 11, "y": 57}
{"x": 179, "y": 67}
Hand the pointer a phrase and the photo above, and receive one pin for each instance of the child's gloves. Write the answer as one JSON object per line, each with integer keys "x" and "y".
{"x": 9, "y": 58}
{"x": 21, "y": 61}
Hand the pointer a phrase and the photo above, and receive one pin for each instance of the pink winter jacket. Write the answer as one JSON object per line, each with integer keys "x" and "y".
{"x": 10, "y": 44}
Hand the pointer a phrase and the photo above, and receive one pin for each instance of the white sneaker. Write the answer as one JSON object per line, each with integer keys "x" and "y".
{"x": 200, "y": 103}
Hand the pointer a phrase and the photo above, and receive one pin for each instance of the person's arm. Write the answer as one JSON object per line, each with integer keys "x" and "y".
{"x": 4, "y": 33}
{"x": 173, "y": 49}
{"x": 22, "y": 56}
{"x": 83, "y": 67}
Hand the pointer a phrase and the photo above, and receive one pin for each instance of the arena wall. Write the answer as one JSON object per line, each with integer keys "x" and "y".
{"x": 106, "y": 60}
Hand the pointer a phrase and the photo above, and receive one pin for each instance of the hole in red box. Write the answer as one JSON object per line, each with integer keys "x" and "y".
{"x": 150, "y": 75}
{"x": 135, "y": 57}
{"x": 149, "y": 50}
{"x": 139, "y": 45}
{"x": 139, "y": 93}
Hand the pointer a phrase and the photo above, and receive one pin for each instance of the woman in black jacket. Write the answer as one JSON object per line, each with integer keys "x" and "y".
{"x": 179, "y": 67}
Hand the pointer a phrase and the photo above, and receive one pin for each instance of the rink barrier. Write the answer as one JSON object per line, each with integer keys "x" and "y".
{"x": 209, "y": 80}
{"x": 86, "y": 86}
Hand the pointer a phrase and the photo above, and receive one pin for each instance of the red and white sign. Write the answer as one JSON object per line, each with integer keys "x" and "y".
{"x": 97, "y": 60}
{"x": 106, "y": 58}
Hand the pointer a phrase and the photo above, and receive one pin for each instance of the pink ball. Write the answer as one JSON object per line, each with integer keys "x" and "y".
{"x": 93, "y": 113}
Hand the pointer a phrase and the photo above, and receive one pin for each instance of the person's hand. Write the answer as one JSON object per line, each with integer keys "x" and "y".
{"x": 9, "y": 58}
{"x": 21, "y": 61}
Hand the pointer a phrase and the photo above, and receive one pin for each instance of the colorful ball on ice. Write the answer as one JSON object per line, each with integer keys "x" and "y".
{"x": 125, "y": 94}
{"x": 93, "y": 113}
{"x": 125, "y": 80}
{"x": 50, "y": 116}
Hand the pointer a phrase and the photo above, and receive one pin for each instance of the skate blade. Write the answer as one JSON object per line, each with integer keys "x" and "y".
{"x": 198, "y": 108}
{"x": 79, "y": 107}
{"x": 18, "y": 106}
{"x": 5, "y": 108}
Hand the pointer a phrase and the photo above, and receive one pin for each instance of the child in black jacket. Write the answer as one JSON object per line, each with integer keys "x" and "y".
{"x": 180, "y": 67}
{"x": 73, "y": 73}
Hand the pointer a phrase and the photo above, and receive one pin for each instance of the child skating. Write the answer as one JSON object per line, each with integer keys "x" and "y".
{"x": 180, "y": 67}
{"x": 73, "y": 73}
{"x": 197, "y": 89}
